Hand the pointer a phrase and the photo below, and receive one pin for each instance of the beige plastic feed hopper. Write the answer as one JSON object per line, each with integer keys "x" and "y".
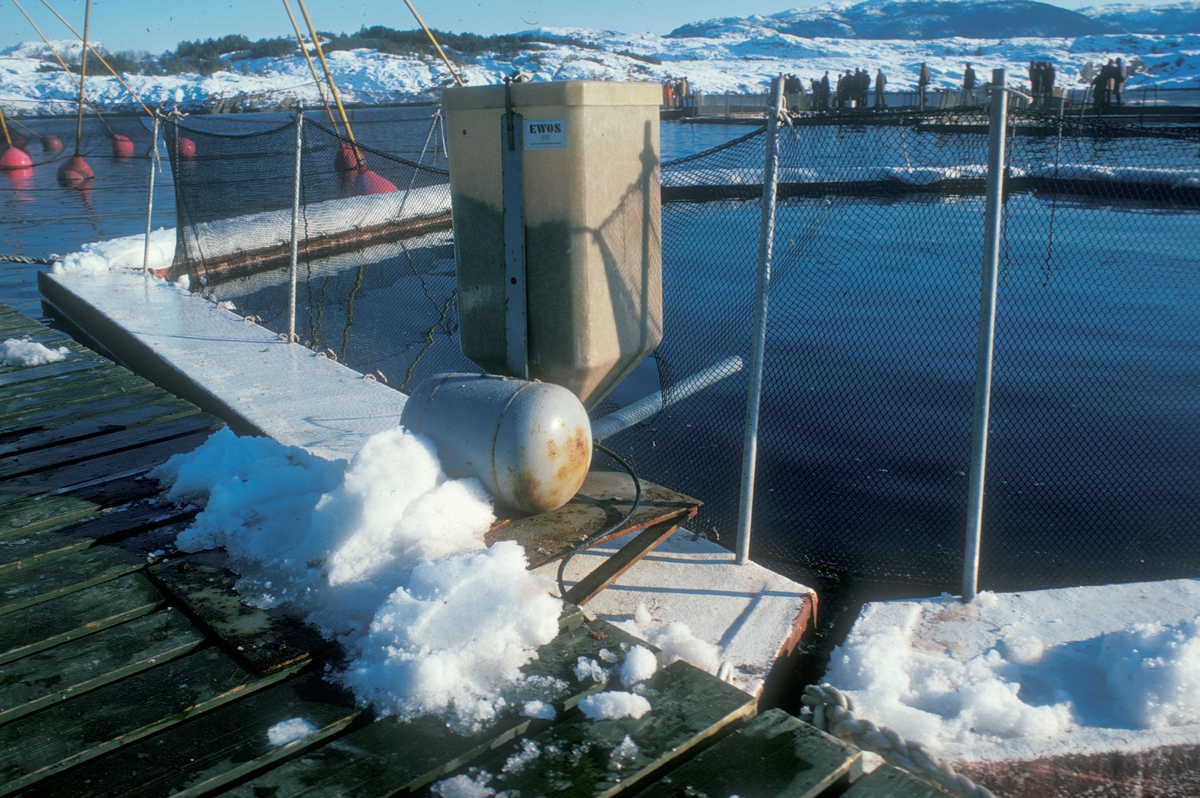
{"x": 592, "y": 243}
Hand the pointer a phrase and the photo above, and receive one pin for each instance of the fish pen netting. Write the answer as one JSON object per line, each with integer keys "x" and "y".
{"x": 1094, "y": 468}
{"x": 375, "y": 255}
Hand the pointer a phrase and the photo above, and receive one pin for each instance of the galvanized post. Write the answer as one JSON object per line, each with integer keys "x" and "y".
{"x": 295, "y": 225}
{"x": 989, "y": 281}
{"x": 150, "y": 199}
{"x": 766, "y": 242}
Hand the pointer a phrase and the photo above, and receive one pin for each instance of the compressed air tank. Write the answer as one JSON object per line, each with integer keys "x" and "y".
{"x": 592, "y": 227}
{"x": 528, "y": 443}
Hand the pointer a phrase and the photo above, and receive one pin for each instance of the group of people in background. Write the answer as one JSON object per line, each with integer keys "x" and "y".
{"x": 675, "y": 93}
{"x": 1107, "y": 83}
{"x": 852, "y": 89}
{"x": 1041, "y": 81}
{"x": 847, "y": 90}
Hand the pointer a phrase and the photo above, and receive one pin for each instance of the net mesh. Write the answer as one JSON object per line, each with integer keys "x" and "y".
{"x": 864, "y": 439}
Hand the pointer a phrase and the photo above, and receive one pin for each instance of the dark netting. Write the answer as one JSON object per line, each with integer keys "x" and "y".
{"x": 375, "y": 258}
{"x": 1094, "y": 464}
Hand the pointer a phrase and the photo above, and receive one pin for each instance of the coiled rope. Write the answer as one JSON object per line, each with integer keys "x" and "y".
{"x": 50, "y": 261}
{"x": 833, "y": 712}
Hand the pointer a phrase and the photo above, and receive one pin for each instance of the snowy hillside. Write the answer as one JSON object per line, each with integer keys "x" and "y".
{"x": 735, "y": 55}
{"x": 904, "y": 19}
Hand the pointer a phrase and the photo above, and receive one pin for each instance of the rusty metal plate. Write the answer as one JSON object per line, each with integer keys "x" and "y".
{"x": 603, "y": 499}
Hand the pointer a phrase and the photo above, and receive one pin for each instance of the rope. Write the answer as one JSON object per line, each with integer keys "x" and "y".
{"x": 50, "y": 261}
{"x": 833, "y": 712}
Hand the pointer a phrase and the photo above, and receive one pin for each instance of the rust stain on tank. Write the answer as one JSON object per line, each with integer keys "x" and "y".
{"x": 579, "y": 457}
{"x": 551, "y": 448}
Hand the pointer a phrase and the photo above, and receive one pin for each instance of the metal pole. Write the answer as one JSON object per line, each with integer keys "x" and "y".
{"x": 987, "y": 331}
{"x": 150, "y": 200}
{"x": 642, "y": 409}
{"x": 766, "y": 241}
{"x": 295, "y": 225}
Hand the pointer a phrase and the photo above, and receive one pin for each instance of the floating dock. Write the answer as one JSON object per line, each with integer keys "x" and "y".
{"x": 126, "y": 672}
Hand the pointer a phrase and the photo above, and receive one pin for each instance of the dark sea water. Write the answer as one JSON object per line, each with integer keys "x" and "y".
{"x": 1095, "y": 439}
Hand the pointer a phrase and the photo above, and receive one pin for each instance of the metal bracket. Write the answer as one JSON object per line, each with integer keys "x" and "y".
{"x": 512, "y": 162}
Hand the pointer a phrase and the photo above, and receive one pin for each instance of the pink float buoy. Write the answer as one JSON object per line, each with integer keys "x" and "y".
{"x": 187, "y": 147}
{"x": 74, "y": 171}
{"x": 368, "y": 181}
{"x": 14, "y": 159}
{"x": 346, "y": 159}
{"x": 51, "y": 144}
{"x": 122, "y": 146}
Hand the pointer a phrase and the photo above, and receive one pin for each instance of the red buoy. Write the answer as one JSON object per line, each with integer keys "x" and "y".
{"x": 122, "y": 146}
{"x": 346, "y": 160}
{"x": 368, "y": 181}
{"x": 187, "y": 147}
{"x": 51, "y": 144}
{"x": 19, "y": 141}
{"x": 74, "y": 171}
{"x": 22, "y": 180}
{"x": 14, "y": 158}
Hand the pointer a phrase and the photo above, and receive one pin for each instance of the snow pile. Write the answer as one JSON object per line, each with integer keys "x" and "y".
{"x": 385, "y": 554}
{"x": 24, "y": 352}
{"x": 1153, "y": 671}
{"x": 928, "y": 696}
{"x": 614, "y": 705}
{"x": 126, "y": 253}
{"x": 640, "y": 664}
{"x": 289, "y": 731}
{"x": 1010, "y": 675}
{"x": 464, "y": 786}
{"x": 674, "y": 639}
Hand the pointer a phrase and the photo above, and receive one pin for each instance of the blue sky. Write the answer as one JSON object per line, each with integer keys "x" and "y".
{"x": 155, "y": 25}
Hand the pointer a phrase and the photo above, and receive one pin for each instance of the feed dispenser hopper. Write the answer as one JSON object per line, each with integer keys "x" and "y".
{"x": 557, "y": 229}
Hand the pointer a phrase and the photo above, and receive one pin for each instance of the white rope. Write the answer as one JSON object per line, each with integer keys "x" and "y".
{"x": 833, "y": 712}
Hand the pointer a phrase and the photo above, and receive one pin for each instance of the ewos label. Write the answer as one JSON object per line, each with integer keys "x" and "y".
{"x": 545, "y": 134}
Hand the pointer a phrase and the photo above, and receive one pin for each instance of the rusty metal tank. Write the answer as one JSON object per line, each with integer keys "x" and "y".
{"x": 528, "y": 443}
{"x": 592, "y": 227}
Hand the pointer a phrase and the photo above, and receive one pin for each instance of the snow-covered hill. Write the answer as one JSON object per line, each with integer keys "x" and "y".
{"x": 739, "y": 56}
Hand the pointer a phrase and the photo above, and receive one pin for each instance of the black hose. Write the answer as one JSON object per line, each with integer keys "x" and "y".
{"x": 608, "y": 530}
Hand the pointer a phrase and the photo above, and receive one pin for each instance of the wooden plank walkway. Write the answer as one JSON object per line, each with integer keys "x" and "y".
{"x": 124, "y": 674}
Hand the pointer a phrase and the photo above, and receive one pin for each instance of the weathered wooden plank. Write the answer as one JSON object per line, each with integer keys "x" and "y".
{"x": 265, "y": 640}
{"x": 62, "y": 736}
{"x": 71, "y": 364}
{"x": 77, "y": 615}
{"x": 578, "y": 756}
{"x": 20, "y": 549}
{"x": 64, "y": 509}
{"x": 774, "y": 756}
{"x": 85, "y": 477}
{"x": 40, "y": 383}
{"x": 604, "y": 498}
{"x": 622, "y": 560}
{"x": 207, "y": 753}
{"x": 24, "y": 551}
{"x": 49, "y": 580}
{"x": 391, "y": 756}
{"x": 73, "y": 668}
{"x": 886, "y": 781}
{"x": 121, "y": 440}
{"x": 57, "y": 426}
{"x": 103, "y": 384}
